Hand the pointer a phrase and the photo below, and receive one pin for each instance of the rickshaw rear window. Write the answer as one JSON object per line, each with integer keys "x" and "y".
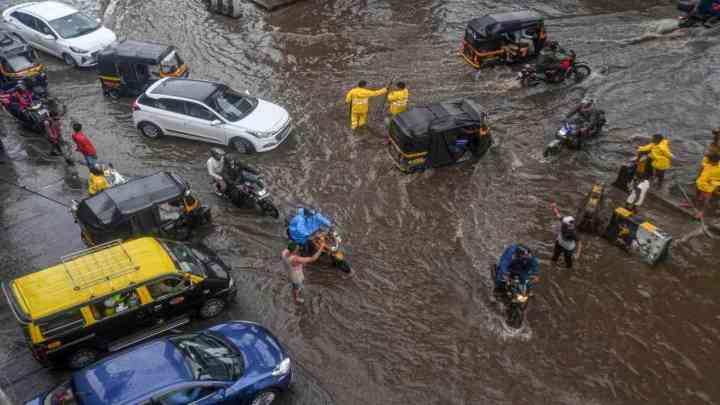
{"x": 59, "y": 324}
{"x": 17, "y": 63}
{"x": 184, "y": 258}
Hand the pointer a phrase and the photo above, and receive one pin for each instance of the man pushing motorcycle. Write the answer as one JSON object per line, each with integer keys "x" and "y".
{"x": 313, "y": 232}
{"x": 588, "y": 117}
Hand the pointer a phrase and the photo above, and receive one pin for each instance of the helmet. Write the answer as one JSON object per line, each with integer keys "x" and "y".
{"x": 217, "y": 153}
{"x": 21, "y": 86}
{"x": 568, "y": 221}
{"x": 553, "y": 45}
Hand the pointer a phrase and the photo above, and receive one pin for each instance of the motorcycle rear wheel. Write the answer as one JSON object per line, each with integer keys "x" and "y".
{"x": 342, "y": 265}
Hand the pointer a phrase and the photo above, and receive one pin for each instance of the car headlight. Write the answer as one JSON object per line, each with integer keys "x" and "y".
{"x": 282, "y": 368}
{"x": 78, "y": 50}
{"x": 260, "y": 134}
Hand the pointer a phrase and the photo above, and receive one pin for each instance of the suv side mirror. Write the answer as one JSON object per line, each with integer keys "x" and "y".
{"x": 215, "y": 123}
{"x": 49, "y": 37}
{"x": 97, "y": 20}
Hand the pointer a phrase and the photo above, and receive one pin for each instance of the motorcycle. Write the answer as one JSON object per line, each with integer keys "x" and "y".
{"x": 569, "y": 68}
{"x": 515, "y": 296}
{"x": 693, "y": 18}
{"x": 326, "y": 237}
{"x": 572, "y": 136}
{"x": 251, "y": 187}
{"x": 34, "y": 115}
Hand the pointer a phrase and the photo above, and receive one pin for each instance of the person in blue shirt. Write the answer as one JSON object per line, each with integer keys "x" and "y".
{"x": 306, "y": 223}
{"x": 517, "y": 260}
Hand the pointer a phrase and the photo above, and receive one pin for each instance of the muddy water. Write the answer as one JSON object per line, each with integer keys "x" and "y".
{"x": 417, "y": 324}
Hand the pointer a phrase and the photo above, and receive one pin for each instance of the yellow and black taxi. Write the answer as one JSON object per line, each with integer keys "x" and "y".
{"x": 114, "y": 295}
{"x": 19, "y": 63}
{"x": 161, "y": 204}
{"x": 503, "y": 38}
{"x": 127, "y": 68}
{"x": 438, "y": 134}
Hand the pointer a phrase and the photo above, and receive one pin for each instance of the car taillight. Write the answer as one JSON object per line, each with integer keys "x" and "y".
{"x": 135, "y": 106}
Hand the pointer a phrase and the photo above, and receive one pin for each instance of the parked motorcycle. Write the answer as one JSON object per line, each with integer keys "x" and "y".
{"x": 250, "y": 188}
{"x": 572, "y": 136}
{"x": 568, "y": 68}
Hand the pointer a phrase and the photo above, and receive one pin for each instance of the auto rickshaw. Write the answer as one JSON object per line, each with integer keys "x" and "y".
{"x": 161, "y": 205}
{"x": 503, "y": 38}
{"x": 438, "y": 134}
{"x": 127, "y": 68}
{"x": 18, "y": 63}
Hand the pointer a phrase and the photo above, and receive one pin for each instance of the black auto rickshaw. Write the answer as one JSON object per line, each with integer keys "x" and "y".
{"x": 503, "y": 38}
{"x": 19, "y": 63}
{"x": 438, "y": 134}
{"x": 129, "y": 67}
{"x": 161, "y": 204}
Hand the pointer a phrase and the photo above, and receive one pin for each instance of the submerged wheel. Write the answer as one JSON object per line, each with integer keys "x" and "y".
{"x": 515, "y": 316}
{"x": 150, "y": 130}
{"x": 211, "y": 308}
{"x": 270, "y": 210}
{"x": 82, "y": 357}
{"x": 242, "y": 145}
{"x": 342, "y": 265}
{"x": 581, "y": 72}
{"x": 264, "y": 398}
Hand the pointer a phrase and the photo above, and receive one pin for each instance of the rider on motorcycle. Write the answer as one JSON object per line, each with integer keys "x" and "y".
{"x": 517, "y": 260}
{"x": 234, "y": 171}
{"x": 20, "y": 99}
{"x": 550, "y": 58}
{"x": 215, "y": 168}
{"x": 588, "y": 115}
{"x": 304, "y": 225}
{"x": 706, "y": 10}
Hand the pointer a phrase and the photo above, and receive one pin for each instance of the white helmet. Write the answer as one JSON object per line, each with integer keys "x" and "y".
{"x": 568, "y": 221}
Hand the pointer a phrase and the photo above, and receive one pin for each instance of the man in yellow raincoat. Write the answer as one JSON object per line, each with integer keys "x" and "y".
{"x": 708, "y": 182}
{"x": 398, "y": 99}
{"x": 96, "y": 181}
{"x": 660, "y": 156}
{"x": 358, "y": 100}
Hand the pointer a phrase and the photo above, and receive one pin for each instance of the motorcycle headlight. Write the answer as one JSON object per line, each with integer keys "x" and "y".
{"x": 282, "y": 368}
{"x": 261, "y": 192}
{"x": 78, "y": 50}
{"x": 562, "y": 132}
{"x": 521, "y": 298}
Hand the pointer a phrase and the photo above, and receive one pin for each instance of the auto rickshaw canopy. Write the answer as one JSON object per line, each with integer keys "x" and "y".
{"x": 130, "y": 51}
{"x": 493, "y": 25}
{"x": 118, "y": 204}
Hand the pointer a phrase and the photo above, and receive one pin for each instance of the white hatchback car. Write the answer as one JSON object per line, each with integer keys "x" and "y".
{"x": 210, "y": 112}
{"x": 60, "y": 30}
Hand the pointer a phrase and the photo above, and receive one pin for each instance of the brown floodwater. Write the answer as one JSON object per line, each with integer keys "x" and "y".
{"x": 417, "y": 323}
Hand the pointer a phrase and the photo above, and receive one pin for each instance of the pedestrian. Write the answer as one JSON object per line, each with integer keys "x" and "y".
{"x": 84, "y": 146}
{"x": 358, "y": 100}
{"x": 706, "y": 184}
{"x": 714, "y": 147}
{"x": 658, "y": 151}
{"x": 96, "y": 180}
{"x": 568, "y": 242}
{"x": 53, "y": 131}
{"x": 398, "y": 99}
{"x": 294, "y": 264}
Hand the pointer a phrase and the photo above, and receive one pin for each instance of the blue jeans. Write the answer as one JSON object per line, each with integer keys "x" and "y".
{"x": 90, "y": 160}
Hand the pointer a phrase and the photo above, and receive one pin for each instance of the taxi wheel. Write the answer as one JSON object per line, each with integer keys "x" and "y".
{"x": 150, "y": 130}
{"x": 82, "y": 357}
{"x": 264, "y": 398}
{"x": 211, "y": 308}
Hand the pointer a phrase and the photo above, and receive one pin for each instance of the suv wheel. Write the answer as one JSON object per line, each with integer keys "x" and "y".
{"x": 82, "y": 357}
{"x": 242, "y": 145}
{"x": 150, "y": 130}
{"x": 212, "y": 308}
{"x": 69, "y": 60}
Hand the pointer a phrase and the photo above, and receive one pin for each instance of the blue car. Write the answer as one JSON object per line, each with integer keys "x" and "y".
{"x": 230, "y": 363}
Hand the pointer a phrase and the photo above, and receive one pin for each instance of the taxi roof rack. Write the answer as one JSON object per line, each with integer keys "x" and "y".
{"x": 86, "y": 269}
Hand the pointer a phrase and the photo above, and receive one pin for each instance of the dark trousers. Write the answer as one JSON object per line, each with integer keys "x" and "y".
{"x": 568, "y": 255}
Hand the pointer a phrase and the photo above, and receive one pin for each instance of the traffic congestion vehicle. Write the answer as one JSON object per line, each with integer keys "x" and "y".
{"x": 60, "y": 30}
{"x": 210, "y": 112}
{"x": 18, "y": 63}
{"x": 129, "y": 67}
{"x": 111, "y": 296}
{"x": 503, "y": 38}
{"x": 231, "y": 363}
{"x": 438, "y": 134}
{"x": 161, "y": 204}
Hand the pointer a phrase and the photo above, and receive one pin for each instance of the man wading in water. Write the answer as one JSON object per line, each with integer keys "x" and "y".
{"x": 294, "y": 264}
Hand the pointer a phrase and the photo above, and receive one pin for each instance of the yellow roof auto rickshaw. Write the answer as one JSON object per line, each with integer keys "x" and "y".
{"x": 503, "y": 38}
{"x": 18, "y": 63}
{"x": 129, "y": 67}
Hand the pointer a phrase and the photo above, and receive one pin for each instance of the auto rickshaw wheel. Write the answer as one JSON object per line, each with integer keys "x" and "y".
{"x": 211, "y": 308}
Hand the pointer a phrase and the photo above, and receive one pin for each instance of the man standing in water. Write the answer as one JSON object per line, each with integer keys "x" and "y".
{"x": 567, "y": 243}
{"x": 295, "y": 264}
{"x": 358, "y": 100}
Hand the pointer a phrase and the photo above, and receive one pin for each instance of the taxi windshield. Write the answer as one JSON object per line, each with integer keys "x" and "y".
{"x": 184, "y": 258}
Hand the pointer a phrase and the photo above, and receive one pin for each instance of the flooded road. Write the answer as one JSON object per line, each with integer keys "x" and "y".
{"x": 417, "y": 324}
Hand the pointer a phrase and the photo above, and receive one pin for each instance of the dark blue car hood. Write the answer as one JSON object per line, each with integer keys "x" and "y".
{"x": 262, "y": 352}
{"x": 118, "y": 379}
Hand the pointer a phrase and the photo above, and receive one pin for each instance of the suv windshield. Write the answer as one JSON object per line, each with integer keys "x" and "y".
{"x": 74, "y": 25}
{"x": 209, "y": 357}
{"x": 184, "y": 258}
{"x": 231, "y": 105}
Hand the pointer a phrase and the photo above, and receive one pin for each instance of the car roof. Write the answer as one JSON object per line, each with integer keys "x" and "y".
{"x": 87, "y": 276}
{"x": 115, "y": 204}
{"x": 132, "y": 375}
{"x": 48, "y": 10}
{"x": 198, "y": 90}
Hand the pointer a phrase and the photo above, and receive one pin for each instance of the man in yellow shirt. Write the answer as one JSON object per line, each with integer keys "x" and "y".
{"x": 96, "y": 180}
{"x": 358, "y": 100}
{"x": 398, "y": 99}
{"x": 660, "y": 156}
{"x": 708, "y": 182}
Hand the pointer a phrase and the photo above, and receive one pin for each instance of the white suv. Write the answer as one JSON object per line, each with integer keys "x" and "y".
{"x": 210, "y": 112}
{"x": 60, "y": 30}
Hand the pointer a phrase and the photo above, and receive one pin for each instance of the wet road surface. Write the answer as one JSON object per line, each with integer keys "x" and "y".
{"x": 417, "y": 323}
